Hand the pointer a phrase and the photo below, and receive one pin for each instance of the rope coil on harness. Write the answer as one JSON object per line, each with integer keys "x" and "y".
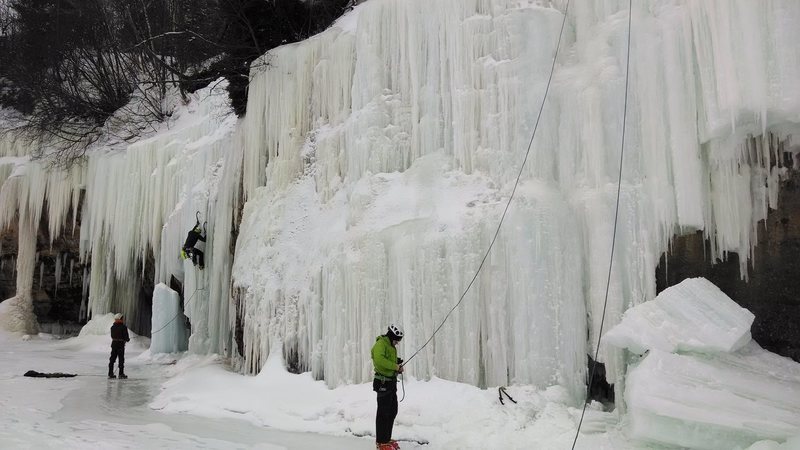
{"x": 616, "y": 219}
{"x": 513, "y": 191}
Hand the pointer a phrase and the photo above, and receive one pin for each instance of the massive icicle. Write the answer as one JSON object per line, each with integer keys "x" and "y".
{"x": 25, "y": 187}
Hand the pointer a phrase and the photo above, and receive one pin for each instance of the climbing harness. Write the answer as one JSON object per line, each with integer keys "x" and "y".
{"x": 513, "y": 190}
{"x": 616, "y": 217}
{"x": 502, "y": 391}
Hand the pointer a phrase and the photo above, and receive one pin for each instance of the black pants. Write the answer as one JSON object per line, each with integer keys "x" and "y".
{"x": 117, "y": 351}
{"x": 387, "y": 409}
{"x": 196, "y": 255}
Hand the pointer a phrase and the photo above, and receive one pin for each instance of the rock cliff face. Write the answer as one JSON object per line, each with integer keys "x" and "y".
{"x": 772, "y": 291}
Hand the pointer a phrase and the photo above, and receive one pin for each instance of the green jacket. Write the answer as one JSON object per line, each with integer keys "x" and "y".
{"x": 384, "y": 357}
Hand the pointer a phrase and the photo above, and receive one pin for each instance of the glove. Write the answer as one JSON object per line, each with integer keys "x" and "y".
{"x": 399, "y": 368}
{"x": 399, "y": 360}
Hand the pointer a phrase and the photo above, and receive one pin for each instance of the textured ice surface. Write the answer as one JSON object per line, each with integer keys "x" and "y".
{"x": 378, "y": 156}
{"x": 693, "y": 315}
{"x": 168, "y": 332}
{"x": 703, "y": 383}
{"x": 726, "y": 400}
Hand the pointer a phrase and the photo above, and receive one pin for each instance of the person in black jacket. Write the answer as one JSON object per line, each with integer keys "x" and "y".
{"x": 119, "y": 336}
{"x": 188, "y": 246}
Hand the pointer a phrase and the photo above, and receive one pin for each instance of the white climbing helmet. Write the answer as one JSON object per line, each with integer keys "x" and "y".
{"x": 395, "y": 330}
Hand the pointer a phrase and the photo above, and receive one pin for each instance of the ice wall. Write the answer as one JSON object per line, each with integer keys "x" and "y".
{"x": 142, "y": 201}
{"x": 387, "y": 146}
{"x": 376, "y": 159}
{"x": 24, "y": 187}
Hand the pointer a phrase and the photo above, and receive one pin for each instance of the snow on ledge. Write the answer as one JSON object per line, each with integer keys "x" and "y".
{"x": 693, "y": 315}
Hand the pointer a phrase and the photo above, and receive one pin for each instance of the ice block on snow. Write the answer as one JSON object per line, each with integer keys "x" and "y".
{"x": 693, "y": 315}
{"x": 714, "y": 401}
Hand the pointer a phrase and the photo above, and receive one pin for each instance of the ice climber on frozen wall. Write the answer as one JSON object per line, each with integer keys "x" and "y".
{"x": 387, "y": 366}
{"x": 119, "y": 336}
{"x": 188, "y": 250}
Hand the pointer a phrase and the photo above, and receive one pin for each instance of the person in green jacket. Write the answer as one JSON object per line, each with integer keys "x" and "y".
{"x": 387, "y": 366}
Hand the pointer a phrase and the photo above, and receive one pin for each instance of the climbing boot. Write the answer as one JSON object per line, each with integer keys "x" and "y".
{"x": 394, "y": 444}
{"x": 111, "y": 376}
{"x": 386, "y": 446}
{"x": 122, "y": 376}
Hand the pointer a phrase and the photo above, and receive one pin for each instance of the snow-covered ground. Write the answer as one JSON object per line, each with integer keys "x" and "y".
{"x": 90, "y": 411}
{"x": 203, "y": 405}
{"x": 438, "y": 413}
{"x": 205, "y": 400}
{"x": 190, "y": 401}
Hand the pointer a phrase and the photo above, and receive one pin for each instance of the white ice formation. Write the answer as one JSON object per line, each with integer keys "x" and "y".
{"x": 168, "y": 333}
{"x": 693, "y": 315}
{"x": 380, "y": 154}
{"x": 99, "y": 325}
{"x": 376, "y": 158}
{"x": 711, "y": 388}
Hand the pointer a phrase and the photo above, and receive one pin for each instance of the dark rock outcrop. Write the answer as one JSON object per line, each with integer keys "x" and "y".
{"x": 772, "y": 292}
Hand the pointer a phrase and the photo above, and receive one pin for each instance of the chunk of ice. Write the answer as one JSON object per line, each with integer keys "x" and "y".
{"x": 714, "y": 401}
{"x": 693, "y": 315}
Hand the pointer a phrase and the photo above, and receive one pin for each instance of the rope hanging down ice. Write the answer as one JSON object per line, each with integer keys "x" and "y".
{"x": 614, "y": 234}
{"x": 513, "y": 191}
{"x": 179, "y": 312}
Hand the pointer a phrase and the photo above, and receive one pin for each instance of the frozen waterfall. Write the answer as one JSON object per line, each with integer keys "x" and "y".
{"x": 378, "y": 156}
{"x": 375, "y": 160}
